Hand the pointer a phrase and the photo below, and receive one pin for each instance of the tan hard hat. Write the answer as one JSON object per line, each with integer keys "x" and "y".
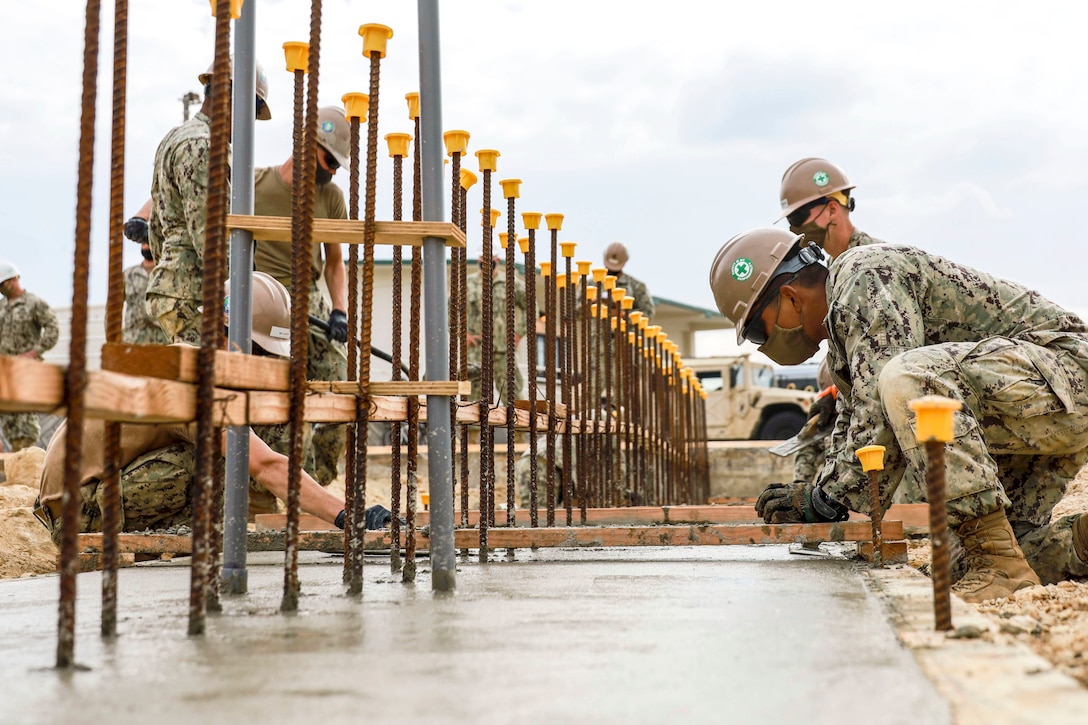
{"x": 808, "y": 180}
{"x": 271, "y": 314}
{"x": 334, "y": 133}
{"x": 744, "y": 267}
{"x": 615, "y": 256}
{"x": 264, "y": 113}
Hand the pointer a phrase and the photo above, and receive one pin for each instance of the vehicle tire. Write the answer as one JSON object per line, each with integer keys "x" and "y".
{"x": 782, "y": 425}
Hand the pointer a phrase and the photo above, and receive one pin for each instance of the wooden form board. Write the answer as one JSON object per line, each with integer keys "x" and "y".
{"x": 392, "y": 387}
{"x": 179, "y": 362}
{"x": 348, "y": 231}
{"x": 30, "y": 385}
{"x": 508, "y": 538}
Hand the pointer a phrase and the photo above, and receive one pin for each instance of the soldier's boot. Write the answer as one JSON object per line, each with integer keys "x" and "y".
{"x": 996, "y": 566}
{"x": 1080, "y": 537}
{"x": 18, "y": 444}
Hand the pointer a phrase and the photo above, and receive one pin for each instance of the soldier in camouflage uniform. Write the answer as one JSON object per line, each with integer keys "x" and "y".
{"x": 28, "y": 328}
{"x": 475, "y": 324}
{"x": 810, "y": 459}
{"x": 615, "y": 257}
{"x": 179, "y": 198}
{"x": 138, "y": 327}
{"x": 902, "y": 324}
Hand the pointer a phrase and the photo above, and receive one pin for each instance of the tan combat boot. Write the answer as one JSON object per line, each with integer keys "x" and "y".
{"x": 996, "y": 566}
{"x": 1080, "y": 537}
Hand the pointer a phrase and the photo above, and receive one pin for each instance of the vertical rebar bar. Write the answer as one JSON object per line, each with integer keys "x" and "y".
{"x": 398, "y": 332}
{"x": 487, "y": 452}
{"x": 876, "y": 513}
{"x": 938, "y": 536}
{"x": 76, "y": 376}
{"x": 511, "y": 352}
{"x": 549, "y": 377}
{"x": 530, "y": 346}
{"x": 462, "y": 334}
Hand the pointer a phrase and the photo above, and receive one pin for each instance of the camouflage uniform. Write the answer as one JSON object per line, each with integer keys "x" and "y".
{"x": 139, "y": 328}
{"x": 326, "y": 359}
{"x": 644, "y": 302}
{"x": 474, "y": 301}
{"x": 26, "y": 324}
{"x": 179, "y": 197}
{"x": 904, "y": 324}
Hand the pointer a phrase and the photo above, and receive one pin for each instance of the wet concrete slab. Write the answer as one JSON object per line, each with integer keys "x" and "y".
{"x": 648, "y": 635}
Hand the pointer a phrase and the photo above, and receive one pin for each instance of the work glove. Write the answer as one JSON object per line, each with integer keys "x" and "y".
{"x": 340, "y": 519}
{"x": 338, "y": 326}
{"x": 136, "y": 229}
{"x": 824, "y": 411}
{"x": 798, "y": 503}
{"x": 377, "y": 516}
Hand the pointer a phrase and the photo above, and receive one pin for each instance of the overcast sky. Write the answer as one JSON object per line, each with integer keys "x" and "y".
{"x": 663, "y": 125}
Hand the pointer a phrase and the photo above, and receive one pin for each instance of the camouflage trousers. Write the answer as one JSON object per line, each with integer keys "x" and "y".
{"x": 21, "y": 429}
{"x": 156, "y": 493}
{"x": 808, "y": 461}
{"x": 499, "y": 358}
{"x": 327, "y": 360}
{"x": 1021, "y": 437}
{"x": 179, "y": 319}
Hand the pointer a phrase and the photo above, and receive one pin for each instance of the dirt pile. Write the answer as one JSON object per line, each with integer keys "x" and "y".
{"x": 25, "y": 546}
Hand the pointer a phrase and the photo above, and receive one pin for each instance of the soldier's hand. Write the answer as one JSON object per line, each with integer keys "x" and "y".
{"x": 472, "y": 340}
{"x": 136, "y": 229}
{"x": 338, "y": 326}
{"x": 797, "y": 503}
{"x": 824, "y": 410}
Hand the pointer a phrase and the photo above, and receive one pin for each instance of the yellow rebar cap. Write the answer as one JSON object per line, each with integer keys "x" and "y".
{"x": 502, "y": 238}
{"x": 871, "y": 457}
{"x": 468, "y": 179}
{"x": 636, "y": 316}
{"x": 583, "y": 267}
{"x": 510, "y": 188}
{"x": 456, "y": 142}
{"x": 574, "y": 277}
{"x": 398, "y": 144}
{"x": 934, "y": 417}
{"x": 235, "y": 8}
{"x": 618, "y": 293}
{"x": 627, "y": 302}
{"x": 609, "y": 282}
{"x": 599, "y": 274}
{"x": 488, "y": 159}
{"x": 374, "y": 37}
{"x": 591, "y": 293}
{"x": 356, "y": 105}
{"x": 413, "y": 105}
{"x": 554, "y": 221}
{"x": 567, "y": 247}
{"x": 523, "y": 244}
{"x": 531, "y": 219}
{"x": 545, "y": 269}
{"x": 561, "y": 281}
{"x": 298, "y": 56}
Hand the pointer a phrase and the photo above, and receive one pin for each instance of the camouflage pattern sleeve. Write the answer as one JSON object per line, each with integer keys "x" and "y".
{"x": 47, "y": 323}
{"x": 872, "y": 317}
{"x": 643, "y": 300}
{"x": 190, "y": 170}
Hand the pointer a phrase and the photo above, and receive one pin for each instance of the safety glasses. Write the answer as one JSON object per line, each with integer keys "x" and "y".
{"x": 754, "y": 330}
{"x": 799, "y": 217}
{"x": 330, "y": 161}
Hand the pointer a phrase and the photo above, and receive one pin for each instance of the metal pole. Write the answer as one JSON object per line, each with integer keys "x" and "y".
{"x": 235, "y": 510}
{"x": 436, "y": 312}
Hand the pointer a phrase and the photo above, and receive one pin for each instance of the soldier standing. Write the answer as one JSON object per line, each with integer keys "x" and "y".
{"x": 28, "y": 328}
{"x": 615, "y": 257}
{"x": 179, "y": 199}
{"x": 474, "y": 339}
{"x": 902, "y": 324}
{"x": 327, "y": 358}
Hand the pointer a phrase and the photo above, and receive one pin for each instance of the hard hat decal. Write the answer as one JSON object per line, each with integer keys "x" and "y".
{"x": 328, "y": 127}
{"x": 742, "y": 269}
{"x": 280, "y": 333}
{"x": 820, "y": 178}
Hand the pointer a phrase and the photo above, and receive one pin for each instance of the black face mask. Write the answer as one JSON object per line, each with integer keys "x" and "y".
{"x": 322, "y": 176}
{"x": 147, "y": 254}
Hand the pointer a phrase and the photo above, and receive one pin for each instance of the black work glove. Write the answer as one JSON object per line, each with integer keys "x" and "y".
{"x": 340, "y": 518}
{"x": 824, "y": 410}
{"x": 798, "y": 503}
{"x": 377, "y": 516}
{"x": 338, "y": 326}
{"x": 136, "y": 229}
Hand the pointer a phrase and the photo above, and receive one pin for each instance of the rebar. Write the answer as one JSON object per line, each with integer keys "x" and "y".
{"x": 511, "y": 351}
{"x": 300, "y": 305}
{"x": 940, "y": 565}
{"x": 457, "y": 342}
{"x": 351, "y": 544}
{"x": 876, "y": 514}
{"x": 409, "y": 574}
{"x": 549, "y": 382}
{"x": 76, "y": 375}
{"x": 111, "y": 455}
{"x": 398, "y": 331}
{"x": 355, "y": 585}
{"x": 487, "y": 381}
{"x": 212, "y": 321}
{"x": 462, "y": 334}
{"x": 568, "y": 494}
{"x": 530, "y": 336}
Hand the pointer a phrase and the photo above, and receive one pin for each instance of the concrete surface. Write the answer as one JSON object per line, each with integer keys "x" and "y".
{"x": 729, "y": 634}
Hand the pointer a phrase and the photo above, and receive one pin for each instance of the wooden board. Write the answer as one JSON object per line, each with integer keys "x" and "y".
{"x": 893, "y": 552}
{"x": 29, "y": 385}
{"x": 393, "y": 387}
{"x": 347, "y": 231}
{"x": 179, "y": 362}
